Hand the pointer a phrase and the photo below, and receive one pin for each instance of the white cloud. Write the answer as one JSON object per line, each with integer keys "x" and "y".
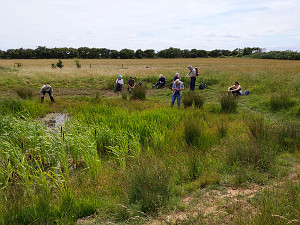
{"x": 155, "y": 24}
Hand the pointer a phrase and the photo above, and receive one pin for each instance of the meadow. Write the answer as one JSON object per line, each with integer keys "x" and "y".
{"x": 120, "y": 160}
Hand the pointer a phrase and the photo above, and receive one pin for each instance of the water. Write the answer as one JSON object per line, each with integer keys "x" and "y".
{"x": 55, "y": 120}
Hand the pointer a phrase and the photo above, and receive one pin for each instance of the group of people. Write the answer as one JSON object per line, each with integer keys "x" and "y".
{"x": 177, "y": 86}
{"x": 120, "y": 83}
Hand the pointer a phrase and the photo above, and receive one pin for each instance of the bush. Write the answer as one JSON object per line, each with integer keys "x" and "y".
{"x": 229, "y": 103}
{"x": 59, "y": 64}
{"x": 24, "y": 93}
{"x": 78, "y": 65}
{"x": 149, "y": 186}
{"x": 139, "y": 93}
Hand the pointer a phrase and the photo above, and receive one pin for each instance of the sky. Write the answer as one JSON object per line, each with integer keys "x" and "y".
{"x": 151, "y": 24}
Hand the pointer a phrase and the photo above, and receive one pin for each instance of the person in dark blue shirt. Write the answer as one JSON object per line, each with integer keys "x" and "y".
{"x": 161, "y": 82}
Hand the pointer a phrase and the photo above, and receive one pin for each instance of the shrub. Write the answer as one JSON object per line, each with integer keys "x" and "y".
{"x": 59, "y": 64}
{"x": 280, "y": 101}
{"x": 139, "y": 93}
{"x": 24, "y": 93}
{"x": 149, "y": 186}
{"x": 229, "y": 103}
{"x": 78, "y": 65}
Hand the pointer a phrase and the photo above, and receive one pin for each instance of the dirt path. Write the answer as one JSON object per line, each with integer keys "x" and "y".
{"x": 213, "y": 204}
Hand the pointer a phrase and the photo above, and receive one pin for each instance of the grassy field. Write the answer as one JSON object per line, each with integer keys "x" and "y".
{"x": 220, "y": 160}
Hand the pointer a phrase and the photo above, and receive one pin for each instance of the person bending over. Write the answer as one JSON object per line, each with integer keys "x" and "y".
{"x": 46, "y": 89}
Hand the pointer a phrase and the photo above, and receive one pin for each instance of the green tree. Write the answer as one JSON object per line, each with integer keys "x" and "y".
{"x": 114, "y": 54}
{"x": 149, "y": 53}
{"x": 126, "y": 54}
{"x": 139, "y": 54}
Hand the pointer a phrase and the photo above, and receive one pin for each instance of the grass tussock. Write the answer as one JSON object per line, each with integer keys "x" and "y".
{"x": 229, "y": 103}
{"x": 280, "y": 101}
{"x": 193, "y": 98}
{"x": 150, "y": 186}
{"x": 139, "y": 93}
{"x": 24, "y": 93}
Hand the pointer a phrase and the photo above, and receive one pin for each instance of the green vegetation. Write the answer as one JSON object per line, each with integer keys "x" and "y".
{"x": 129, "y": 162}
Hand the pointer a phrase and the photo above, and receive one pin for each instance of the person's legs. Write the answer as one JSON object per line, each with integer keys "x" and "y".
{"x": 178, "y": 100}
{"x": 42, "y": 96}
{"x": 193, "y": 83}
{"x": 51, "y": 97}
{"x": 173, "y": 99}
{"x": 118, "y": 87}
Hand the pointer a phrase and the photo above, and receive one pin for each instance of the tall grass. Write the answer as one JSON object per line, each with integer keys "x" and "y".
{"x": 280, "y": 101}
{"x": 139, "y": 93}
{"x": 24, "y": 92}
{"x": 149, "y": 186}
{"x": 229, "y": 103}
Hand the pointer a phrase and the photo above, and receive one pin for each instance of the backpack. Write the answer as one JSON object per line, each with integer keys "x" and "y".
{"x": 197, "y": 72}
{"x": 246, "y": 93}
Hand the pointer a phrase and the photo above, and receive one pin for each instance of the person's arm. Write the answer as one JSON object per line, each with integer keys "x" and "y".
{"x": 229, "y": 89}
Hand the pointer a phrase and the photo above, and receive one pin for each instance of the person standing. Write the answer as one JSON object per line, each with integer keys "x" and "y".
{"x": 192, "y": 74}
{"x": 177, "y": 88}
{"x": 46, "y": 89}
{"x": 119, "y": 84}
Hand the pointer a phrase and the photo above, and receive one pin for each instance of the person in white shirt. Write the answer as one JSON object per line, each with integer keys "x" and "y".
{"x": 46, "y": 89}
{"x": 119, "y": 84}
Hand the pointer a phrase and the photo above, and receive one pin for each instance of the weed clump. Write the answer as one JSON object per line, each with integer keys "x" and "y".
{"x": 24, "y": 93}
{"x": 193, "y": 98}
{"x": 280, "y": 101}
{"x": 229, "y": 103}
{"x": 149, "y": 186}
{"x": 139, "y": 93}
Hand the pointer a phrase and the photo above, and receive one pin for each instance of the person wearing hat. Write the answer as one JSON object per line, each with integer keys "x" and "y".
{"x": 235, "y": 89}
{"x": 192, "y": 74}
{"x": 131, "y": 84}
{"x": 161, "y": 82}
{"x": 46, "y": 89}
{"x": 119, "y": 84}
{"x": 177, "y": 88}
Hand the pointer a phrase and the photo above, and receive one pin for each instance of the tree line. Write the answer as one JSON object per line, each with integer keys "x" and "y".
{"x": 42, "y": 52}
